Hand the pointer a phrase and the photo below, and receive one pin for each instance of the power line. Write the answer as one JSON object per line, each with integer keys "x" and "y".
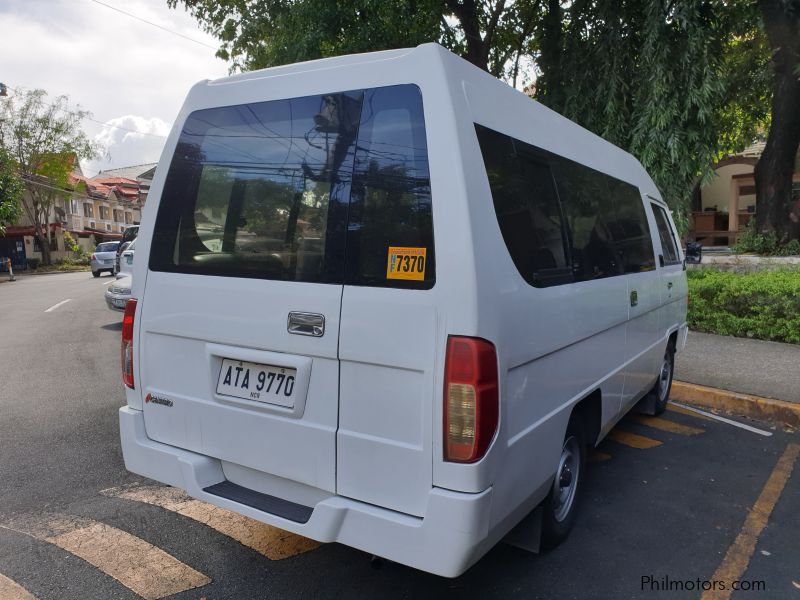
{"x": 138, "y": 18}
{"x": 163, "y": 137}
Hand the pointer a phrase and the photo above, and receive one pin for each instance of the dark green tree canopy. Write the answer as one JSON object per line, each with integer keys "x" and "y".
{"x": 677, "y": 83}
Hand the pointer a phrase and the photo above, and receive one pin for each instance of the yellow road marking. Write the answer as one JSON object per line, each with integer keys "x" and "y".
{"x": 686, "y": 411}
{"x": 632, "y": 439}
{"x": 738, "y": 556}
{"x": 10, "y": 590}
{"x": 597, "y": 456}
{"x": 665, "y": 425}
{"x": 274, "y": 543}
{"x": 141, "y": 567}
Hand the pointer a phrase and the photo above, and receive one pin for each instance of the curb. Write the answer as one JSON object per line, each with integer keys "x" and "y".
{"x": 745, "y": 405}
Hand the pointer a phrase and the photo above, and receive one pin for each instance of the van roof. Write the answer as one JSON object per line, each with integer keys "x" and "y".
{"x": 539, "y": 126}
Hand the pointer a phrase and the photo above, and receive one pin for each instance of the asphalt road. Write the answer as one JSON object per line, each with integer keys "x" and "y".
{"x": 684, "y": 498}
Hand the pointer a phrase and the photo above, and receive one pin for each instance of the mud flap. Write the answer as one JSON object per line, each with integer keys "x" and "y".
{"x": 527, "y": 535}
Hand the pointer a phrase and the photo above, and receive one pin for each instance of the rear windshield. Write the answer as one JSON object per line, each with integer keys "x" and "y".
{"x": 331, "y": 188}
{"x": 130, "y": 234}
{"x": 107, "y": 247}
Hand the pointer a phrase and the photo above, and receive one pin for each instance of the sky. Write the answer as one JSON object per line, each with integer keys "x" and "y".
{"x": 128, "y": 74}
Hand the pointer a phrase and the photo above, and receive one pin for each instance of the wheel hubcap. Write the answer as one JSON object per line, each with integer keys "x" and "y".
{"x": 566, "y": 481}
{"x": 664, "y": 377}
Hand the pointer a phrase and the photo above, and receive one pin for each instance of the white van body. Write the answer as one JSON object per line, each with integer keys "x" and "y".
{"x": 355, "y": 455}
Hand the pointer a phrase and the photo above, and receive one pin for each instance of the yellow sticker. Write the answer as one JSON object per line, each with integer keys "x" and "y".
{"x": 406, "y": 263}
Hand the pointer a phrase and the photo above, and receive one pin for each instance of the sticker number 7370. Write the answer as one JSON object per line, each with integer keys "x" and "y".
{"x": 406, "y": 263}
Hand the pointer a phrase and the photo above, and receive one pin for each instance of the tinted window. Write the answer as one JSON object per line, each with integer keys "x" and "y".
{"x": 630, "y": 229}
{"x": 589, "y": 211}
{"x": 526, "y": 207}
{"x": 260, "y": 190}
{"x": 665, "y": 234}
{"x": 390, "y": 233}
{"x": 107, "y": 247}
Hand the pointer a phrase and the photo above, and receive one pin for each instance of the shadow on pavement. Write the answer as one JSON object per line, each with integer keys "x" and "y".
{"x": 112, "y": 326}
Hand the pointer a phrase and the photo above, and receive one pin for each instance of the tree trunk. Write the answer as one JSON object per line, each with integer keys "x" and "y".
{"x": 775, "y": 210}
{"x": 550, "y": 59}
{"x": 467, "y": 13}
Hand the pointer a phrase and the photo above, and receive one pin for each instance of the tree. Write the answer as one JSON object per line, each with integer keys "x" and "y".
{"x": 678, "y": 83}
{"x": 255, "y": 34}
{"x": 11, "y": 189}
{"x": 776, "y": 211}
{"x": 45, "y": 140}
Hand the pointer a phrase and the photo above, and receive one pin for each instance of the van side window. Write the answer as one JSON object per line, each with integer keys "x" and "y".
{"x": 526, "y": 207}
{"x": 589, "y": 211}
{"x": 260, "y": 190}
{"x": 630, "y": 228}
{"x": 666, "y": 235}
{"x": 390, "y": 202}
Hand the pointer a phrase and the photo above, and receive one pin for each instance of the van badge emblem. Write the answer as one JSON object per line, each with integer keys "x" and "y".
{"x": 157, "y": 400}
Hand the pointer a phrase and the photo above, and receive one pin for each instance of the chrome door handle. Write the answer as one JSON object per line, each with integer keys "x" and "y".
{"x": 303, "y": 323}
{"x": 634, "y": 298}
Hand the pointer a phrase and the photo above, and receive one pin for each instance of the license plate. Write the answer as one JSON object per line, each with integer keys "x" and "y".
{"x": 261, "y": 383}
{"x": 119, "y": 302}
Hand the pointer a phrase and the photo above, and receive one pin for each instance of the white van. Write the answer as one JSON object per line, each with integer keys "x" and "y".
{"x": 389, "y": 301}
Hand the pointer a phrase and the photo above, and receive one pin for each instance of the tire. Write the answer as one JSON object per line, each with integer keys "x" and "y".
{"x": 95, "y": 273}
{"x": 661, "y": 389}
{"x": 561, "y": 505}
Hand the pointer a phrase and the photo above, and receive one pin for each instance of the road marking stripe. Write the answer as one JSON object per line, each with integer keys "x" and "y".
{"x": 632, "y": 439}
{"x": 139, "y": 566}
{"x": 10, "y": 590}
{"x": 685, "y": 411}
{"x": 274, "y": 543}
{"x": 596, "y": 456}
{"x": 737, "y": 558}
{"x": 55, "y": 306}
{"x": 728, "y": 421}
{"x": 665, "y": 425}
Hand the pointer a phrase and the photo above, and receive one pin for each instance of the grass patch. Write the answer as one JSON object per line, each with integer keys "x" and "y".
{"x": 764, "y": 304}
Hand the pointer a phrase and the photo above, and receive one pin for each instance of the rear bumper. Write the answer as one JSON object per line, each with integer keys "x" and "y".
{"x": 453, "y": 534}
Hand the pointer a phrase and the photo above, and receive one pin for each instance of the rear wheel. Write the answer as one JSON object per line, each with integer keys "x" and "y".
{"x": 561, "y": 504}
{"x": 663, "y": 384}
{"x": 95, "y": 273}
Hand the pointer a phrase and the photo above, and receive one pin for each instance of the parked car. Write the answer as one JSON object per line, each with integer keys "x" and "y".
{"x": 402, "y": 330}
{"x": 128, "y": 236}
{"x": 119, "y": 292}
{"x": 126, "y": 259}
{"x": 103, "y": 258}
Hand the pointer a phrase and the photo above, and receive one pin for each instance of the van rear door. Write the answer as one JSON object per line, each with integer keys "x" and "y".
{"x": 389, "y": 327}
{"x": 240, "y": 315}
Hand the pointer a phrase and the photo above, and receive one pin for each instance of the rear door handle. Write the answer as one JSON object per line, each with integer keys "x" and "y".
{"x": 669, "y": 285}
{"x": 303, "y": 323}
{"x": 634, "y": 298}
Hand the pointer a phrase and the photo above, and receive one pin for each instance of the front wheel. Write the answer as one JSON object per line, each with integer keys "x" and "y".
{"x": 95, "y": 273}
{"x": 561, "y": 504}
{"x": 663, "y": 384}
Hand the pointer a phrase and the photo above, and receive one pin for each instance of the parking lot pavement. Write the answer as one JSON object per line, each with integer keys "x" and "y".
{"x": 671, "y": 504}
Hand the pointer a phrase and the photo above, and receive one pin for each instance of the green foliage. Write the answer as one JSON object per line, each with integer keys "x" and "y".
{"x": 763, "y": 304}
{"x": 11, "y": 190}
{"x": 45, "y": 140}
{"x": 678, "y": 84}
{"x": 765, "y": 243}
{"x": 33, "y": 263}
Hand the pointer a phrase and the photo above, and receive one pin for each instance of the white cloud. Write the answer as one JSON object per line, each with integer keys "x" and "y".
{"x": 128, "y": 140}
{"x": 124, "y": 71}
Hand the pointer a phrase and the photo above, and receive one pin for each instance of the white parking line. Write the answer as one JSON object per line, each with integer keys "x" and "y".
{"x": 55, "y": 306}
{"x": 724, "y": 420}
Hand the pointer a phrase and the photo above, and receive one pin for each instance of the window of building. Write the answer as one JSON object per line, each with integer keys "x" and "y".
{"x": 88, "y": 210}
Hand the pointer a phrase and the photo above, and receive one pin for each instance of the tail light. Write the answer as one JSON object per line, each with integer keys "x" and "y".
{"x": 126, "y": 351}
{"x": 94, "y": 256}
{"x": 471, "y": 404}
